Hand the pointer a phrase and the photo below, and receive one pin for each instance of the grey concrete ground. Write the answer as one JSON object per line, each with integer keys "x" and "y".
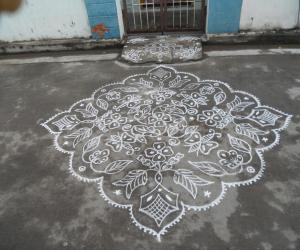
{"x": 43, "y": 207}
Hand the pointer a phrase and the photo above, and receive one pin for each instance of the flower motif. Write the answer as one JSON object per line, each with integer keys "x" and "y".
{"x": 129, "y": 101}
{"x": 207, "y": 90}
{"x": 120, "y": 141}
{"x": 198, "y": 143}
{"x": 180, "y": 123}
{"x": 99, "y": 156}
{"x": 114, "y": 120}
{"x": 113, "y": 95}
{"x": 230, "y": 159}
{"x": 162, "y": 94}
{"x": 132, "y": 101}
{"x": 194, "y": 100}
{"x": 212, "y": 117}
{"x": 159, "y": 152}
{"x": 159, "y": 119}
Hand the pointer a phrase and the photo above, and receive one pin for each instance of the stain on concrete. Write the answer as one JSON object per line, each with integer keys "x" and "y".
{"x": 294, "y": 93}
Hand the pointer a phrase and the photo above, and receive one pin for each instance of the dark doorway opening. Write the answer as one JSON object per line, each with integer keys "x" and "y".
{"x": 150, "y": 16}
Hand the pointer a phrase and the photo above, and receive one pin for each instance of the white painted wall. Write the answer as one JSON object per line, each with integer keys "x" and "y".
{"x": 269, "y": 14}
{"x": 119, "y": 5}
{"x": 45, "y": 19}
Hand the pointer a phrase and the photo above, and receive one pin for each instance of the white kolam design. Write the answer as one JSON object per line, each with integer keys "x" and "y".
{"x": 164, "y": 142}
{"x": 162, "y": 49}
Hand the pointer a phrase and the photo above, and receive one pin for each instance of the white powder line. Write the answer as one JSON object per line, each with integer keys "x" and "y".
{"x": 253, "y": 52}
{"x": 113, "y": 56}
{"x": 61, "y": 59}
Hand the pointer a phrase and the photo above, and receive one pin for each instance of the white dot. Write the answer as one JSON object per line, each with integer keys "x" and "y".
{"x": 250, "y": 170}
{"x": 82, "y": 168}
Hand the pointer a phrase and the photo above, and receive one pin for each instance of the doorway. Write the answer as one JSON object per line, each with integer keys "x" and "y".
{"x": 152, "y": 16}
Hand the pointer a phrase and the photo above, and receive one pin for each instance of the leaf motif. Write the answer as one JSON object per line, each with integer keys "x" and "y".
{"x": 173, "y": 130}
{"x": 67, "y": 122}
{"x": 176, "y": 103}
{"x": 117, "y": 166}
{"x": 219, "y": 97}
{"x": 190, "y": 130}
{"x": 249, "y": 131}
{"x": 208, "y": 137}
{"x": 91, "y": 109}
{"x": 133, "y": 110}
{"x": 102, "y": 104}
{"x": 129, "y": 89}
{"x": 185, "y": 95}
{"x": 202, "y": 100}
{"x": 79, "y": 135}
{"x": 174, "y": 109}
{"x": 91, "y": 144}
{"x": 173, "y": 160}
{"x": 145, "y": 83}
{"x": 141, "y": 138}
{"x": 209, "y": 168}
{"x": 132, "y": 181}
{"x": 240, "y": 107}
{"x": 88, "y": 112}
{"x": 189, "y": 181}
{"x": 239, "y": 144}
{"x": 195, "y": 147}
{"x": 237, "y": 105}
{"x": 191, "y": 86}
{"x": 233, "y": 103}
{"x": 177, "y": 82}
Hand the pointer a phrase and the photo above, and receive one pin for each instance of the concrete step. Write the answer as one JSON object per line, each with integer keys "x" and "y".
{"x": 162, "y": 49}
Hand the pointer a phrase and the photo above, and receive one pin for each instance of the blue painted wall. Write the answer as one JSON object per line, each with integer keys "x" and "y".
{"x": 223, "y": 16}
{"x": 103, "y": 11}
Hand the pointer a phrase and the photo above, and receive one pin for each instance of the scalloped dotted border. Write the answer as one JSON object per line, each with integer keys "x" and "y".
{"x": 185, "y": 207}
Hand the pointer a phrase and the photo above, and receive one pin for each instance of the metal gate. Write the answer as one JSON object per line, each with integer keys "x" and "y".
{"x": 142, "y": 16}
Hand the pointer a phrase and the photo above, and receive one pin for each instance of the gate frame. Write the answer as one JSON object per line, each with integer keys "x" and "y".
{"x": 163, "y": 29}
{"x": 120, "y": 19}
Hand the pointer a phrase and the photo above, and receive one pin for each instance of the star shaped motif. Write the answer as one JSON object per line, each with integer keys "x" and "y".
{"x": 207, "y": 194}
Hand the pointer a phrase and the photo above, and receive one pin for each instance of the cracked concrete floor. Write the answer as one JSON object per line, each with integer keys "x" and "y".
{"x": 44, "y": 207}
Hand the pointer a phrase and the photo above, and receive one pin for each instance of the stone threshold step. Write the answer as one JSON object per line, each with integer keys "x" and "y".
{"x": 162, "y": 49}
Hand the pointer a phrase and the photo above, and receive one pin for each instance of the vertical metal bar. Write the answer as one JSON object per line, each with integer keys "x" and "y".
{"x": 125, "y": 15}
{"x": 194, "y": 22}
{"x": 180, "y": 15}
{"x": 202, "y": 15}
{"x": 173, "y": 14}
{"x": 141, "y": 21}
{"x": 187, "y": 13}
{"x": 153, "y": 3}
{"x": 134, "y": 23}
{"x": 161, "y": 16}
{"x": 147, "y": 14}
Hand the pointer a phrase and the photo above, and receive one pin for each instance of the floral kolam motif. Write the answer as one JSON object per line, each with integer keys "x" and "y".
{"x": 164, "y": 142}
